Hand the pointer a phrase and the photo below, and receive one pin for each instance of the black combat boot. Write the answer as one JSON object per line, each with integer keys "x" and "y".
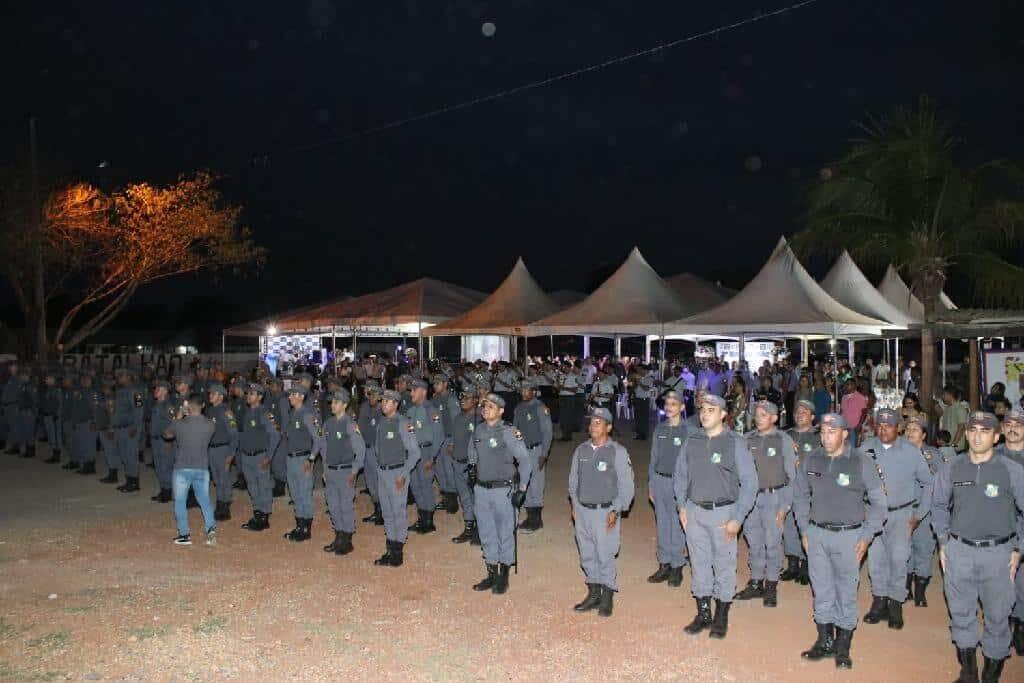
{"x": 70, "y": 465}
{"x": 488, "y": 581}
{"x": 240, "y": 483}
{"x": 307, "y": 529}
{"x": 607, "y": 601}
{"x": 476, "y": 536}
{"x": 920, "y": 586}
{"x": 254, "y": 523}
{"x": 345, "y": 547}
{"x": 660, "y": 576}
{"x": 592, "y": 600}
{"x": 467, "y": 533}
{"x": 30, "y": 452}
{"x": 131, "y": 484}
{"x": 54, "y": 457}
{"x": 264, "y": 519}
{"x": 992, "y": 670}
{"x": 333, "y": 545}
{"x": 527, "y": 525}
{"x": 164, "y": 496}
{"x": 968, "y": 665}
{"x": 278, "y": 488}
{"x": 910, "y": 582}
{"x": 87, "y": 468}
{"x": 385, "y": 559}
{"x": 296, "y": 533}
{"x": 675, "y": 577}
{"x": 501, "y": 582}
{"x": 720, "y": 625}
{"x": 538, "y": 521}
{"x": 425, "y": 525}
{"x": 792, "y": 570}
{"x": 754, "y": 589}
{"x": 376, "y": 517}
{"x": 111, "y": 477}
{"x": 397, "y": 555}
{"x": 453, "y": 502}
{"x": 879, "y": 610}
{"x": 824, "y": 646}
{"x": 805, "y": 575}
{"x": 703, "y": 618}
{"x": 843, "y": 640}
{"x": 771, "y": 596}
{"x": 219, "y": 513}
{"x": 895, "y": 614}
{"x": 1017, "y": 638}
{"x": 442, "y": 504}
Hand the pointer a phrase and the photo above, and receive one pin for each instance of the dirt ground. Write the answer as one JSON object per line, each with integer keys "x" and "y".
{"x": 91, "y": 588}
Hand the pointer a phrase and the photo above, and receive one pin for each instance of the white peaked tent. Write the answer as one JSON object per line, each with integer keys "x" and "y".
{"x": 518, "y": 301}
{"x": 633, "y": 301}
{"x": 782, "y": 300}
{"x": 847, "y": 284}
{"x": 896, "y": 292}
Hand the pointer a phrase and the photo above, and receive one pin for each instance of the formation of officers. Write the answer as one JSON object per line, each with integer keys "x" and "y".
{"x": 806, "y": 498}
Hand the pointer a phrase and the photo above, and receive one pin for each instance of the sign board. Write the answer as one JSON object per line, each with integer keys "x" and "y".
{"x": 755, "y": 353}
{"x": 1006, "y": 366}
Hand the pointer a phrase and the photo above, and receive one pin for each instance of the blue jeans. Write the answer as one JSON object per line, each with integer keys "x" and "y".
{"x": 199, "y": 481}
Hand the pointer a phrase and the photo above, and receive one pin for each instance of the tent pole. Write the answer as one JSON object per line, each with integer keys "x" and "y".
{"x": 355, "y": 356}
{"x": 224, "y": 348}
{"x": 742, "y": 351}
{"x": 586, "y": 346}
{"x": 419, "y": 345}
{"x": 526, "y": 355}
{"x": 551, "y": 340}
{"x": 943, "y": 361}
{"x": 430, "y": 346}
{"x": 897, "y": 369}
{"x": 647, "y": 349}
{"x": 334, "y": 345}
{"x": 835, "y": 371}
{"x": 661, "y": 354}
{"x": 805, "y": 351}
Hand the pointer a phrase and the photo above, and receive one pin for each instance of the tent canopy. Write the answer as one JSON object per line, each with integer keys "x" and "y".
{"x": 633, "y": 301}
{"x": 847, "y": 284}
{"x": 896, "y": 292}
{"x": 783, "y": 299}
{"x": 399, "y": 310}
{"x": 698, "y": 294}
{"x": 516, "y": 302}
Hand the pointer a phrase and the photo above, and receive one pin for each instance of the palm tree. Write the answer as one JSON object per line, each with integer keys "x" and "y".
{"x": 901, "y": 195}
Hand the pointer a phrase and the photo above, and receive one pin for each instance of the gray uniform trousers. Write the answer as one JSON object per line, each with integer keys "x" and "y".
{"x": 219, "y": 472}
{"x": 1018, "y": 607}
{"x": 496, "y": 521}
{"x": 835, "y": 575}
{"x": 83, "y": 443}
{"x": 888, "y": 555}
{"x": 443, "y": 470}
{"x": 974, "y": 574}
{"x": 67, "y": 434}
{"x": 300, "y": 485}
{"x": 598, "y": 546}
{"x": 279, "y": 463}
{"x": 109, "y": 445}
{"x": 163, "y": 461}
{"x": 764, "y": 538}
{"x": 460, "y": 476}
{"x": 340, "y": 497}
{"x": 791, "y": 538}
{"x": 371, "y": 473}
{"x": 392, "y": 504}
{"x": 535, "y": 489}
{"x": 422, "y": 483}
{"x": 25, "y": 427}
{"x": 258, "y": 481}
{"x": 922, "y": 550}
{"x": 51, "y": 423}
{"x": 127, "y": 447}
{"x": 567, "y": 416}
{"x": 712, "y": 556}
{"x": 671, "y": 539}
{"x": 10, "y": 417}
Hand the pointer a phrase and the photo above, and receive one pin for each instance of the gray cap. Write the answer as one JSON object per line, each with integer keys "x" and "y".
{"x": 804, "y": 403}
{"x": 392, "y": 395}
{"x": 372, "y": 388}
{"x": 1015, "y": 415}
{"x": 495, "y": 399}
{"x": 887, "y": 416}
{"x": 256, "y": 388}
{"x": 217, "y": 388}
{"x": 833, "y": 420}
{"x": 602, "y": 414}
{"x": 528, "y": 383}
{"x": 713, "y": 399}
{"x": 340, "y": 395}
{"x": 919, "y": 420}
{"x": 673, "y": 394}
{"x": 162, "y": 383}
{"x": 418, "y": 384}
{"x": 438, "y": 378}
{"x": 767, "y": 406}
{"x": 297, "y": 388}
{"x": 983, "y": 419}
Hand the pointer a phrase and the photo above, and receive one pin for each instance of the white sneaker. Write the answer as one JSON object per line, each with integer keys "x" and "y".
{"x": 211, "y": 537}
{"x": 183, "y": 539}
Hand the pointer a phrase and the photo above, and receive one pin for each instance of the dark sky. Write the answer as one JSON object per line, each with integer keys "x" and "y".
{"x": 699, "y": 154}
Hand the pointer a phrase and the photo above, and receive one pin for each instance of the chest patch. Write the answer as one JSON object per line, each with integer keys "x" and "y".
{"x": 389, "y": 435}
{"x": 493, "y": 442}
{"x": 991, "y": 490}
{"x": 807, "y": 448}
{"x": 716, "y": 457}
{"x": 843, "y": 479}
{"x": 252, "y": 423}
{"x": 338, "y": 435}
{"x": 676, "y": 441}
{"x": 771, "y": 452}
{"x": 601, "y": 466}
{"x": 471, "y": 427}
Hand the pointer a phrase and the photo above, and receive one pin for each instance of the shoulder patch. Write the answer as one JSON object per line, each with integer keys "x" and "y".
{"x": 518, "y": 434}
{"x": 435, "y": 417}
{"x": 410, "y": 428}
{"x": 546, "y": 411}
{"x": 355, "y": 428}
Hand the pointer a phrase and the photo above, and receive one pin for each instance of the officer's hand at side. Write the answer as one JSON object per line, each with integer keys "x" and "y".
{"x": 613, "y": 517}
{"x": 803, "y": 542}
{"x": 942, "y": 558}
{"x": 451, "y": 448}
{"x": 914, "y": 522}
{"x": 227, "y": 463}
{"x": 399, "y": 483}
{"x": 307, "y": 467}
{"x": 352, "y": 479}
{"x": 572, "y": 512}
{"x": 265, "y": 463}
{"x": 780, "y": 518}
{"x": 861, "y": 549}
{"x": 428, "y": 465}
{"x": 132, "y": 432}
{"x": 110, "y": 434}
{"x": 682, "y": 518}
{"x": 1014, "y": 563}
{"x": 650, "y": 496}
{"x": 542, "y": 462}
{"x": 731, "y": 529}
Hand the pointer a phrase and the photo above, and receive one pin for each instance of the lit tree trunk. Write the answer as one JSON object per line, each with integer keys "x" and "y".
{"x": 928, "y": 286}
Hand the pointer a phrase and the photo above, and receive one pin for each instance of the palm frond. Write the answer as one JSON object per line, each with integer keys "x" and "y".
{"x": 993, "y": 280}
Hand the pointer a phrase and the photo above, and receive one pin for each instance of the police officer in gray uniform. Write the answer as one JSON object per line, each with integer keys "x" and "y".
{"x": 397, "y": 451}
{"x": 81, "y": 414}
{"x": 533, "y": 420}
{"x": 840, "y": 506}
{"x": 1013, "y": 448}
{"x": 907, "y": 482}
{"x": 463, "y": 430}
{"x": 567, "y": 384}
{"x": 300, "y": 439}
{"x": 600, "y": 488}
{"x": 775, "y": 461}
{"x": 715, "y": 485}
{"x": 126, "y": 422}
{"x": 805, "y": 440}
{"x": 448, "y": 407}
{"x": 223, "y": 446}
{"x": 666, "y": 446}
{"x": 258, "y": 438}
{"x": 369, "y": 415}
{"x": 51, "y": 405}
{"x": 162, "y": 414}
{"x": 430, "y": 433}
{"x": 922, "y": 541}
{"x": 976, "y": 518}
{"x": 344, "y": 452}
{"x": 9, "y": 403}
{"x": 496, "y": 452}
{"x": 277, "y": 403}
{"x": 104, "y": 420}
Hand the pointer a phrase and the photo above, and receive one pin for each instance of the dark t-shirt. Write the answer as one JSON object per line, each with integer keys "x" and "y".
{"x": 193, "y": 435}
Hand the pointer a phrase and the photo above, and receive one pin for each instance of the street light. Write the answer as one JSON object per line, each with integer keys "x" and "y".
{"x": 271, "y": 331}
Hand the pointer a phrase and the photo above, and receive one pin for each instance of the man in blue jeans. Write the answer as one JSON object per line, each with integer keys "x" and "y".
{"x": 192, "y": 432}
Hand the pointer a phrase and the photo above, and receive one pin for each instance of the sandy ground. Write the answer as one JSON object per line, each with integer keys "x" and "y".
{"x": 92, "y": 589}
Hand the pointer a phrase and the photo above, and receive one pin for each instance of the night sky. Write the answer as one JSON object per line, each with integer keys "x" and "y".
{"x": 699, "y": 155}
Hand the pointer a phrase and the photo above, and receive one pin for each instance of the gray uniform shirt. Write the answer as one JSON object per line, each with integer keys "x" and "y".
{"x": 666, "y": 445}
{"x": 978, "y": 502}
{"x": 533, "y": 419}
{"x": 429, "y": 430}
{"x": 193, "y": 434}
{"x": 714, "y": 470}
{"x": 342, "y": 444}
{"x": 396, "y": 443}
{"x": 832, "y": 490}
{"x": 903, "y": 470}
{"x": 601, "y": 474}
{"x": 775, "y": 461}
{"x": 493, "y": 449}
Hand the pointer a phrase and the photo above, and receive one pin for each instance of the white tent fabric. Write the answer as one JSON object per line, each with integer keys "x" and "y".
{"x": 516, "y": 302}
{"x": 697, "y": 294}
{"x": 896, "y": 292}
{"x": 847, "y": 284}
{"x": 633, "y": 301}
{"x": 783, "y": 299}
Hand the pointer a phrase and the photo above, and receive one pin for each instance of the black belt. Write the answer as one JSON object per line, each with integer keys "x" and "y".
{"x": 533, "y": 446}
{"x": 299, "y": 454}
{"x": 837, "y": 527}
{"x": 900, "y": 507}
{"x": 166, "y": 440}
{"x": 461, "y": 462}
{"x": 495, "y": 484}
{"x": 596, "y": 506}
{"x": 339, "y": 467}
{"x": 662, "y": 474}
{"x": 771, "y": 489}
{"x": 218, "y": 445}
{"x": 986, "y": 543}
{"x": 390, "y": 467}
{"x": 254, "y": 452}
{"x": 10, "y": 403}
{"x": 428, "y": 444}
{"x": 713, "y": 506}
